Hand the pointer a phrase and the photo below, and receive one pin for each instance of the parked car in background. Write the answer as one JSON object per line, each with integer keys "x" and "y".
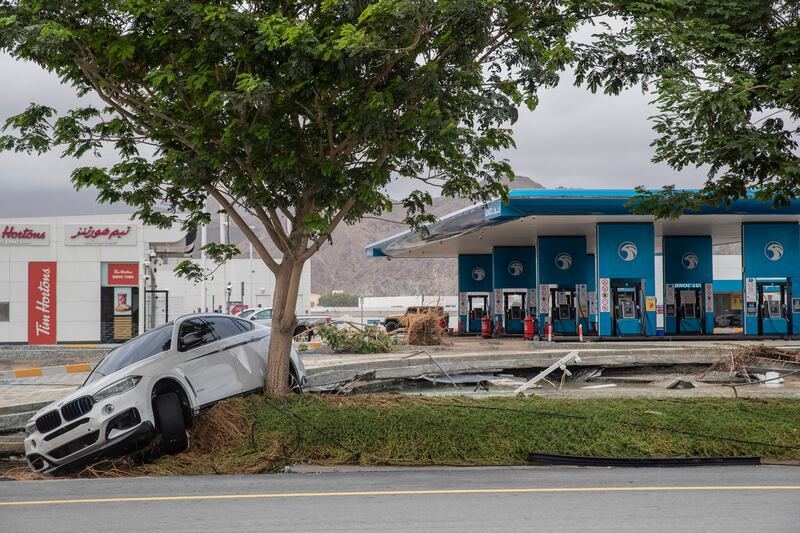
{"x": 247, "y": 312}
{"x": 304, "y": 322}
{"x": 153, "y": 386}
{"x": 394, "y": 322}
{"x": 728, "y": 320}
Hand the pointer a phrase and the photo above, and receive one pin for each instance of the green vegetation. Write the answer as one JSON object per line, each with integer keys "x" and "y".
{"x": 725, "y": 80}
{"x": 259, "y": 435}
{"x": 370, "y": 339}
{"x": 338, "y": 299}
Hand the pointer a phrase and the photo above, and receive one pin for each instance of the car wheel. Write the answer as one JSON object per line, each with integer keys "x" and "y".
{"x": 171, "y": 426}
{"x": 391, "y": 326}
{"x": 294, "y": 383}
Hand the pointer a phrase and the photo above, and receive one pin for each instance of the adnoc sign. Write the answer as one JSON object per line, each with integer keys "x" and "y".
{"x": 24, "y": 235}
{"x": 99, "y": 235}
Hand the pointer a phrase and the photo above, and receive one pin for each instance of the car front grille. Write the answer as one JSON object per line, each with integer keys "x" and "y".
{"x": 77, "y": 408}
{"x": 66, "y": 429}
{"x": 76, "y": 445}
{"x": 48, "y": 422}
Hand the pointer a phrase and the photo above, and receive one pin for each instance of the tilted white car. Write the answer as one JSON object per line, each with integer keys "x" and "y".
{"x": 153, "y": 385}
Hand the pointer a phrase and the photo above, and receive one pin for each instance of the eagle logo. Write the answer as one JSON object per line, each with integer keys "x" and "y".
{"x": 515, "y": 268}
{"x": 690, "y": 260}
{"x": 563, "y": 261}
{"x": 627, "y": 251}
{"x": 478, "y": 274}
{"x": 774, "y": 251}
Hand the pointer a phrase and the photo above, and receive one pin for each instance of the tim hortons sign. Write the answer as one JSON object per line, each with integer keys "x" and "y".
{"x": 42, "y": 302}
{"x": 24, "y": 234}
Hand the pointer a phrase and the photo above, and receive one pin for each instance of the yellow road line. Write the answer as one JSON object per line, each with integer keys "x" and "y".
{"x": 273, "y": 495}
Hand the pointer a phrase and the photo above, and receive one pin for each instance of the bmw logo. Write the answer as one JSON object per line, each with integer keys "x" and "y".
{"x": 689, "y": 260}
{"x": 563, "y": 261}
{"x": 627, "y": 251}
{"x": 478, "y": 274}
{"x": 515, "y": 268}
{"x": 774, "y": 251}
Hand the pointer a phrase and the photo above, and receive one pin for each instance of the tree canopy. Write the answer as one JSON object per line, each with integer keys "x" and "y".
{"x": 298, "y": 113}
{"x": 726, "y": 80}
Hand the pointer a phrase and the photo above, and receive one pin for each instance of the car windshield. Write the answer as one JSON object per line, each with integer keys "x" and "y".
{"x": 137, "y": 349}
{"x": 246, "y": 313}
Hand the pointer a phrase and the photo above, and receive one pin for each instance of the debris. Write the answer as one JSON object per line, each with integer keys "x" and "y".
{"x": 561, "y": 363}
{"x": 603, "y": 386}
{"x": 769, "y": 379}
{"x": 679, "y": 383}
{"x": 756, "y": 356}
{"x": 587, "y": 374}
{"x": 424, "y": 329}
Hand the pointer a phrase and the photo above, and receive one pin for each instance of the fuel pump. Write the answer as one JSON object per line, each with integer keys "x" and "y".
{"x": 562, "y": 311}
{"x": 627, "y": 309}
{"x": 514, "y": 311}
{"x": 774, "y": 312}
{"x": 689, "y": 307}
{"x": 477, "y": 308}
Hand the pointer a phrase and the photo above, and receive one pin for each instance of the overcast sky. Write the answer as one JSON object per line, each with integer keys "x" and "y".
{"x": 573, "y": 139}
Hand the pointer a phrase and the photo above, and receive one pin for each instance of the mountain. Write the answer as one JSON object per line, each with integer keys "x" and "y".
{"x": 343, "y": 265}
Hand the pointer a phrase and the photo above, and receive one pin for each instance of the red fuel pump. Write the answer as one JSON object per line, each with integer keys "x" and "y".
{"x": 486, "y": 327}
{"x": 527, "y": 328}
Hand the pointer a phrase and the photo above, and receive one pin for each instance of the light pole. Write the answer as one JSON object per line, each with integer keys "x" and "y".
{"x": 252, "y": 288}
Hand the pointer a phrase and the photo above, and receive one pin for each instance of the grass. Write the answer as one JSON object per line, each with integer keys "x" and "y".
{"x": 257, "y": 435}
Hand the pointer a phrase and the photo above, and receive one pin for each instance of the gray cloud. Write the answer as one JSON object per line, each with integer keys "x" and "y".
{"x": 574, "y": 139}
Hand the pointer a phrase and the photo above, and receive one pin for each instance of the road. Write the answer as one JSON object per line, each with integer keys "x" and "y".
{"x": 728, "y": 499}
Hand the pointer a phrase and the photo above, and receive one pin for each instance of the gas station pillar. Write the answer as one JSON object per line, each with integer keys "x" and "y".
{"x": 474, "y": 291}
{"x": 688, "y": 285}
{"x": 514, "y": 282}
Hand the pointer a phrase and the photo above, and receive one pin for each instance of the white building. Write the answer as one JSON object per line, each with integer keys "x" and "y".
{"x": 106, "y": 278}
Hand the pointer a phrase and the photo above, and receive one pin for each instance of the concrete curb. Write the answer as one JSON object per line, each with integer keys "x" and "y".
{"x": 76, "y": 368}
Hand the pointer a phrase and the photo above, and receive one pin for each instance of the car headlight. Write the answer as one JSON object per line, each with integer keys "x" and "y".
{"x": 123, "y": 385}
{"x": 30, "y": 427}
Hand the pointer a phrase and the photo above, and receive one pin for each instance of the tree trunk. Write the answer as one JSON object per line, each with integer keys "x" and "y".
{"x": 284, "y": 302}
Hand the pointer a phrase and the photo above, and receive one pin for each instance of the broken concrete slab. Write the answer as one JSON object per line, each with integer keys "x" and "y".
{"x": 679, "y": 383}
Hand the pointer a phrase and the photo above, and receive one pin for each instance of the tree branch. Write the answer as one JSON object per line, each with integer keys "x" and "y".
{"x": 246, "y": 229}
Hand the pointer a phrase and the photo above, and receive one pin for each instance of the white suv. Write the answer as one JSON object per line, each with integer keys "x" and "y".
{"x": 153, "y": 385}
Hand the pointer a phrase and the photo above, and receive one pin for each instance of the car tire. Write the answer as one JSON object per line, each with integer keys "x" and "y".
{"x": 170, "y": 423}
{"x": 294, "y": 383}
{"x": 391, "y": 326}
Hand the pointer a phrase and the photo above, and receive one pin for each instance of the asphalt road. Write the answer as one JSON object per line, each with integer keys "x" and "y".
{"x": 725, "y": 499}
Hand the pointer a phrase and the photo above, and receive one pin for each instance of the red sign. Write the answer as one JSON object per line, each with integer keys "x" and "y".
{"x": 42, "y": 303}
{"x": 123, "y": 274}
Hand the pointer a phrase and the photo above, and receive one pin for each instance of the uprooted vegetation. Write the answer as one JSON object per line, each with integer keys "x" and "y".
{"x": 742, "y": 359}
{"x": 258, "y": 435}
{"x": 357, "y": 339}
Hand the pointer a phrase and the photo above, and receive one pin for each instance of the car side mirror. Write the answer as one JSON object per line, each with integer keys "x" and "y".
{"x": 191, "y": 340}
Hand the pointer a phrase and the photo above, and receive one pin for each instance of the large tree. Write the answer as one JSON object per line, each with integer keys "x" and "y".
{"x": 298, "y": 111}
{"x": 725, "y": 75}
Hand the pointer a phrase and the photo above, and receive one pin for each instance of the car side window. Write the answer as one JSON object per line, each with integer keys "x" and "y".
{"x": 244, "y": 325}
{"x": 195, "y": 332}
{"x": 223, "y": 327}
{"x": 261, "y": 315}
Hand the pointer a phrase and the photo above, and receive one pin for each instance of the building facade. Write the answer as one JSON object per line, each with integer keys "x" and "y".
{"x": 106, "y": 278}
{"x": 580, "y": 260}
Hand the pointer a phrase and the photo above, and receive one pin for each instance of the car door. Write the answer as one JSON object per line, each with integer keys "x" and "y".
{"x": 263, "y": 317}
{"x": 240, "y": 338}
{"x": 208, "y": 367}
